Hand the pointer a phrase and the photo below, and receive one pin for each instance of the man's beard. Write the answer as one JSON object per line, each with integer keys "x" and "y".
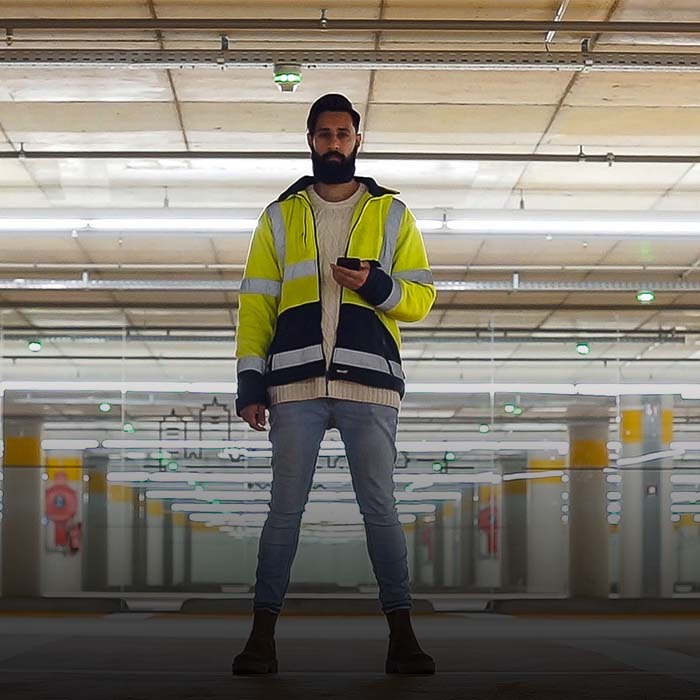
{"x": 331, "y": 171}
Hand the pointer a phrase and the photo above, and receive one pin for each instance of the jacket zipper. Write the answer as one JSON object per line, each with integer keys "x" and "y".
{"x": 340, "y": 297}
{"x": 320, "y": 288}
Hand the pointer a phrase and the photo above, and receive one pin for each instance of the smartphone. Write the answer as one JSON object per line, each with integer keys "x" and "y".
{"x": 349, "y": 263}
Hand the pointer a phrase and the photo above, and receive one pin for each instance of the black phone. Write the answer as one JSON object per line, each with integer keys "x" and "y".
{"x": 349, "y": 263}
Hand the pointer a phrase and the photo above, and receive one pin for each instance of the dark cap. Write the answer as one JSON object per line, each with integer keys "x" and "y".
{"x": 332, "y": 102}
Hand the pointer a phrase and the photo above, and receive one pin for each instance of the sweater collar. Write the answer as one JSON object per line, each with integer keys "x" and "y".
{"x": 374, "y": 189}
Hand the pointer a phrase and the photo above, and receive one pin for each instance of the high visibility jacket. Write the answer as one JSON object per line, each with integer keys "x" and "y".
{"x": 279, "y": 338}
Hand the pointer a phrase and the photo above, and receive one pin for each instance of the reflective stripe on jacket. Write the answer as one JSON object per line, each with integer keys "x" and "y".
{"x": 279, "y": 338}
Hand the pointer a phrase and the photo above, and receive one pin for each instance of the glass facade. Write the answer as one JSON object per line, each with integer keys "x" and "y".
{"x": 538, "y": 472}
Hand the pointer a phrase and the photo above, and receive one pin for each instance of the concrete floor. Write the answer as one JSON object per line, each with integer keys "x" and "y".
{"x": 143, "y": 656}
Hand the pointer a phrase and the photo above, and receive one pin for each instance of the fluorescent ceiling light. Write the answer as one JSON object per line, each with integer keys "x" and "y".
{"x": 416, "y": 480}
{"x": 487, "y": 388}
{"x": 206, "y": 495}
{"x": 482, "y": 223}
{"x": 220, "y": 507}
{"x": 517, "y": 476}
{"x": 421, "y": 446}
{"x": 686, "y": 391}
{"x": 174, "y": 225}
{"x": 686, "y": 479}
{"x": 69, "y": 444}
{"x": 122, "y": 387}
{"x": 430, "y": 224}
{"x": 679, "y": 508}
{"x": 685, "y": 445}
{"x": 685, "y": 496}
{"x": 615, "y": 224}
{"x": 649, "y": 457}
{"x": 41, "y": 224}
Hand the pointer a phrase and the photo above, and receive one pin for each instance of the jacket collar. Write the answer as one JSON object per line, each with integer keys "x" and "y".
{"x": 374, "y": 189}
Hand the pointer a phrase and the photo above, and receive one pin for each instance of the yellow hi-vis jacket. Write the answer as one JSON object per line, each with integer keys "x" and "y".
{"x": 279, "y": 338}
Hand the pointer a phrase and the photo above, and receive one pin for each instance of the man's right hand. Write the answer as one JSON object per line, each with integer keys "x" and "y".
{"x": 255, "y": 416}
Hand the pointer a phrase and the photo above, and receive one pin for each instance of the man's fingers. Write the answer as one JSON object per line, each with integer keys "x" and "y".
{"x": 254, "y": 416}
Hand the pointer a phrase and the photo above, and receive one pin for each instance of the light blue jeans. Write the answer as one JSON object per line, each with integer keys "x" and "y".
{"x": 369, "y": 434}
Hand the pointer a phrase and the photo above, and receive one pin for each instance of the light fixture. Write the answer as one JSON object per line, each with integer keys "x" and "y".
{"x": 34, "y": 345}
{"x": 573, "y": 223}
{"x": 645, "y": 296}
{"x": 583, "y": 348}
{"x": 105, "y": 407}
{"x": 287, "y": 76}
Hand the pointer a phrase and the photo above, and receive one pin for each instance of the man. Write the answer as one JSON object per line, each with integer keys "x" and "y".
{"x": 318, "y": 343}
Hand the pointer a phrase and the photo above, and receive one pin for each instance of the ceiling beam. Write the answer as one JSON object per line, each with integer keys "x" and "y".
{"x": 326, "y": 24}
{"x": 335, "y": 59}
{"x": 579, "y": 157}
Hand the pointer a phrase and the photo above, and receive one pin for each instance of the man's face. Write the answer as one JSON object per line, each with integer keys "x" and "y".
{"x": 334, "y": 146}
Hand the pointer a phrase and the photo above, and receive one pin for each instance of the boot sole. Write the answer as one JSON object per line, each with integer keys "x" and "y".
{"x": 251, "y": 668}
{"x": 413, "y": 669}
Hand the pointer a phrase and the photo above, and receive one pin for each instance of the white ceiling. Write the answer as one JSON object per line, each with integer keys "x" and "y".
{"x": 409, "y": 111}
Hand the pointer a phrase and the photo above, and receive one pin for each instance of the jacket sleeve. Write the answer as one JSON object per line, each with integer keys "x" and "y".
{"x": 408, "y": 293}
{"x": 258, "y": 301}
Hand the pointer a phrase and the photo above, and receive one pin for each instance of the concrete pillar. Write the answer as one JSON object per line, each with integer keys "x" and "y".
{"x": 95, "y": 531}
{"x": 22, "y": 508}
{"x": 156, "y": 515}
{"x": 139, "y": 539}
{"x": 187, "y": 553}
{"x": 179, "y": 544}
{"x": 489, "y": 538}
{"x": 646, "y": 530}
{"x": 466, "y": 537}
{"x": 120, "y": 506}
{"x": 514, "y": 528}
{"x": 418, "y": 526}
{"x": 588, "y": 526}
{"x": 439, "y": 547}
{"x": 545, "y": 533}
{"x": 62, "y": 551}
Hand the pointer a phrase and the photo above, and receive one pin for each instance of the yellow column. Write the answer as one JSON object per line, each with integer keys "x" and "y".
{"x": 588, "y": 527}
{"x": 22, "y": 508}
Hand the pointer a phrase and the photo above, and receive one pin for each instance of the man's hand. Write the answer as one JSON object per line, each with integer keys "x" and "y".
{"x": 351, "y": 279}
{"x": 254, "y": 416}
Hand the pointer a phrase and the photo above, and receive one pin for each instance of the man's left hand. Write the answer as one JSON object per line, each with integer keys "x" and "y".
{"x": 351, "y": 279}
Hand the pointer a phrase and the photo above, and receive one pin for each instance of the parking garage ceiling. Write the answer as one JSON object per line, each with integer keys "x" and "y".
{"x": 110, "y": 137}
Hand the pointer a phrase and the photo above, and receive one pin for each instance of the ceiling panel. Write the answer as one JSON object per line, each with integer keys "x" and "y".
{"x": 469, "y": 87}
{"x": 87, "y": 117}
{"x": 653, "y": 252}
{"x": 84, "y": 85}
{"x": 592, "y": 200}
{"x": 621, "y": 177}
{"x": 255, "y": 85}
{"x": 609, "y": 127}
{"x": 634, "y": 89}
{"x": 529, "y": 251}
{"x": 35, "y": 248}
{"x": 246, "y": 126}
{"x": 424, "y": 126}
{"x": 451, "y": 250}
{"x": 142, "y": 249}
